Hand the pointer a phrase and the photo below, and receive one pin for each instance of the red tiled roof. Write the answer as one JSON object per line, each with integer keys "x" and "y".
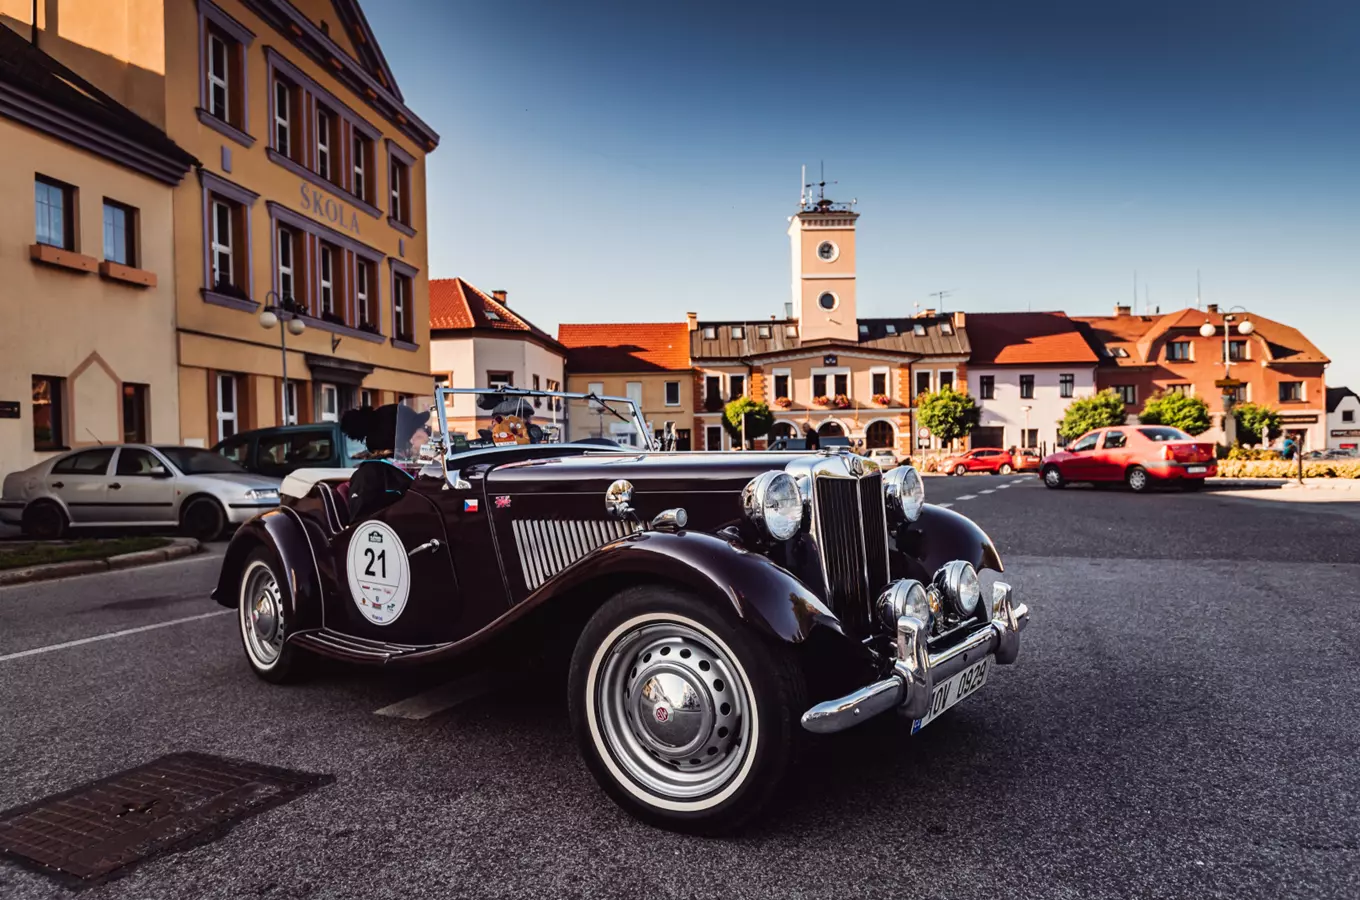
{"x": 634, "y": 347}
{"x": 1139, "y": 334}
{"x": 1028, "y": 338}
{"x": 456, "y": 305}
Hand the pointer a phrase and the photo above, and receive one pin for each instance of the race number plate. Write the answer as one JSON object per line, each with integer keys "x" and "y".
{"x": 379, "y": 572}
{"x": 955, "y": 689}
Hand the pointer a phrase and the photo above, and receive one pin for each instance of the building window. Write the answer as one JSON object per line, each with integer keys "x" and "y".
{"x": 710, "y": 333}
{"x": 1291, "y": 391}
{"x": 227, "y": 262}
{"x": 712, "y": 391}
{"x": 946, "y": 328}
{"x": 49, "y": 431}
{"x": 736, "y": 386}
{"x": 221, "y": 53}
{"x": 828, "y": 301}
{"x": 399, "y": 175}
{"x": 1237, "y": 351}
{"x": 367, "y": 309}
{"x": 135, "y": 413}
{"x": 890, "y": 328}
{"x": 922, "y": 383}
{"x": 947, "y": 379}
{"x": 791, "y": 331}
{"x": 1348, "y": 415}
{"x": 672, "y": 393}
{"x": 327, "y": 286}
{"x": 763, "y": 331}
{"x": 1029, "y": 438}
{"x": 842, "y": 382}
{"x": 328, "y": 403}
{"x": 401, "y": 314}
{"x": 359, "y": 152}
{"x": 738, "y": 333}
{"x": 287, "y": 285}
{"x": 289, "y": 395}
{"x": 226, "y": 406}
{"x": 781, "y": 386}
{"x": 818, "y": 386}
{"x": 1178, "y": 351}
{"x": 120, "y": 233}
{"x": 1239, "y": 393}
{"x": 325, "y": 139}
{"x": 366, "y": 396}
{"x": 713, "y": 437}
{"x": 500, "y": 380}
{"x": 1065, "y": 385}
{"x": 1127, "y": 392}
{"x": 987, "y": 387}
{"x": 878, "y": 382}
{"x": 919, "y": 329}
{"x": 1184, "y": 390}
{"x": 1026, "y": 387}
{"x": 284, "y": 94}
{"x": 54, "y": 207}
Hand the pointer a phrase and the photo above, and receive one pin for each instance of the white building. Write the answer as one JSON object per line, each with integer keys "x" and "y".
{"x": 1343, "y": 419}
{"x": 1024, "y": 371}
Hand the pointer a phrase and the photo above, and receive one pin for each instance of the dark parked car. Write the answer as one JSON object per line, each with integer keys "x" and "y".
{"x": 824, "y": 442}
{"x": 718, "y": 604}
{"x": 284, "y": 449}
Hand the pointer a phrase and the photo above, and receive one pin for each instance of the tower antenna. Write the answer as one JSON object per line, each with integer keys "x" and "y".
{"x": 1198, "y": 300}
{"x": 941, "y": 296}
{"x": 802, "y": 189}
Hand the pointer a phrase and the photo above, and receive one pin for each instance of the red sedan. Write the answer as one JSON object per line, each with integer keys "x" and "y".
{"x": 982, "y": 459}
{"x": 1138, "y": 455}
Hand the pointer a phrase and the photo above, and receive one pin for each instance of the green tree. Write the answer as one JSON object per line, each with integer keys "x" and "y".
{"x": 949, "y": 414}
{"x": 1256, "y": 422}
{"x": 759, "y": 419}
{"x": 1189, "y": 414}
{"x": 1103, "y": 410}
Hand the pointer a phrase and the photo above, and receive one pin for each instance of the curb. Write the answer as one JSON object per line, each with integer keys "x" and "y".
{"x": 1309, "y": 484}
{"x": 180, "y": 548}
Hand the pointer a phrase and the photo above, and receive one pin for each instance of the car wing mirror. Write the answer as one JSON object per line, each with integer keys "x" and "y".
{"x": 161, "y": 473}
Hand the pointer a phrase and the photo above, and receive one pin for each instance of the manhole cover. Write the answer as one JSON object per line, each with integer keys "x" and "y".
{"x": 87, "y": 834}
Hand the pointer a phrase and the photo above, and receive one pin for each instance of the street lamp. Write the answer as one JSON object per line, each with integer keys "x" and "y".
{"x": 1228, "y": 383}
{"x": 269, "y": 317}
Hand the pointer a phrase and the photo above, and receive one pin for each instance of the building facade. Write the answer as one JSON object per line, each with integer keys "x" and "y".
{"x": 477, "y": 341}
{"x": 1024, "y": 371}
{"x": 1273, "y": 364}
{"x": 647, "y": 363}
{"x": 1343, "y": 419}
{"x": 309, "y": 199}
{"x": 86, "y": 264}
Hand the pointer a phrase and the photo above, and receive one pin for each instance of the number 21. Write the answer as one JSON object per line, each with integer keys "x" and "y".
{"x": 380, "y": 558}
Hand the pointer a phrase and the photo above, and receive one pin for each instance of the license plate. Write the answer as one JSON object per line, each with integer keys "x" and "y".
{"x": 955, "y": 689}
{"x": 1196, "y": 470}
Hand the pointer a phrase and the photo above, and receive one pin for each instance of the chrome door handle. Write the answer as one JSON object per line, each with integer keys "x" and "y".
{"x": 58, "y": 484}
{"x": 428, "y": 545}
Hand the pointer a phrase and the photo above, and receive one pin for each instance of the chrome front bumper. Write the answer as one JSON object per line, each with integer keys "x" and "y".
{"x": 916, "y": 670}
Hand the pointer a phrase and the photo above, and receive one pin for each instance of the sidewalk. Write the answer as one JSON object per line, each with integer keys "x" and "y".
{"x": 1310, "y": 484}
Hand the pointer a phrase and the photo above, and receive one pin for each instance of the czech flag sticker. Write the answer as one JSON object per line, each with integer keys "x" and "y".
{"x": 469, "y": 506}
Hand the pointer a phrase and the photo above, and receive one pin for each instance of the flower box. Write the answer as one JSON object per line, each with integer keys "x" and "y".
{"x": 841, "y": 401}
{"x": 821, "y": 401}
{"x": 882, "y": 399}
{"x": 783, "y": 402}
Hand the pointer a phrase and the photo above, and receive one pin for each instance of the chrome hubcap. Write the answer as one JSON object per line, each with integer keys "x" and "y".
{"x": 1051, "y": 476}
{"x": 262, "y": 615}
{"x": 672, "y": 708}
{"x": 1137, "y": 480}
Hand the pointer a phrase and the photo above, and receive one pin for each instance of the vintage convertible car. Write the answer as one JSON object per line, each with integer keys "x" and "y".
{"x": 719, "y": 603}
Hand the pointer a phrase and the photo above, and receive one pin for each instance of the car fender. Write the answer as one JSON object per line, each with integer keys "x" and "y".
{"x": 939, "y": 536}
{"x": 283, "y": 531}
{"x": 761, "y": 592}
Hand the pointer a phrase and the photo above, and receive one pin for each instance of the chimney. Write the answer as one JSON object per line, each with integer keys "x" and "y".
{"x": 1121, "y": 310}
{"x": 959, "y": 319}
{"x": 500, "y": 297}
{"x": 1213, "y": 307}
{"x": 693, "y": 321}
{"x": 929, "y": 312}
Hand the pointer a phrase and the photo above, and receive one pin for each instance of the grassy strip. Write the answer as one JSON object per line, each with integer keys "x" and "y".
{"x": 24, "y": 555}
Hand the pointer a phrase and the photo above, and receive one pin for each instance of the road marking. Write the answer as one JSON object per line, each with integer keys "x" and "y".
{"x": 1017, "y": 480}
{"x": 987, "y": 491}
{"x": 1002, "y": 487}
{"x": 114, "y": 634}
{"x": 966, "y": 497}
{"x": 446, "y": 696}
{"x": 944, "y": 505}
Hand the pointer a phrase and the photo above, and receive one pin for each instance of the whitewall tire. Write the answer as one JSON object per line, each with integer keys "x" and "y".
{"x": 262, "y": 619}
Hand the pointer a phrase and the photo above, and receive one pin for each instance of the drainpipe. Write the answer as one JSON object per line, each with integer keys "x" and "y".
{"x": 33, "y": 36}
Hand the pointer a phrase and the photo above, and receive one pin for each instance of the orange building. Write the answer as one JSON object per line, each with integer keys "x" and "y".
{"x": 646, "y": 362}
{"x": 1276, "y": 365}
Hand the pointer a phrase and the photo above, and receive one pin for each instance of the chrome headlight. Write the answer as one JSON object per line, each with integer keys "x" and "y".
{"x": 772, "y": 501}
{"x": 262, "y": 494}
{"x": 959, "y": 583}
{"x": 904, "y": 492}
{"x": 904, "y": 597}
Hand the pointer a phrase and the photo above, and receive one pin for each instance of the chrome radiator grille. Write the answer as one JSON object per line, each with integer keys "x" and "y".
{"x": 852, "y": 534}
{"x": 547, "y": 546}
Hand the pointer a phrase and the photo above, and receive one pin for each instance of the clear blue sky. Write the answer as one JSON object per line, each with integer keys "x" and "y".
{"x": 633, "y": 161}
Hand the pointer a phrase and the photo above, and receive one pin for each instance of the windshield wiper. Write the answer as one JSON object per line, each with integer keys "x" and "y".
{"x": 611, "y": 410}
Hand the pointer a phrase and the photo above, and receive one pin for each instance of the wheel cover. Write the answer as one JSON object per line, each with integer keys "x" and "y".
{"x": 1137, "y": 479}
{"x": 671, "y": 706}
{"x": 1053, "y": 476}
{"x": 262, "y": 623}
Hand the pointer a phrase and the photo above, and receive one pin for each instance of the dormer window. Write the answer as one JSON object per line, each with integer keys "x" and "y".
{"x": 918, "y": 329}
{"x": 863, "y": 329}
{"x": 738, "y": 333}
{"x": 710, "y": 333}
{"x": 946, "y": 328}
{"x": 890, "y": 328}
{"x": 763, "y": 331}
{"x": 791, "y": 331}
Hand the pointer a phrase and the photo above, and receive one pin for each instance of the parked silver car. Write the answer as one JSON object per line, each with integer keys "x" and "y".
{"x": 135, "y": 485}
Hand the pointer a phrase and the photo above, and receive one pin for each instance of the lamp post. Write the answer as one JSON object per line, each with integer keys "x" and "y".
{"x": 274, "y": 311}
{"x": 1228, "y": 383}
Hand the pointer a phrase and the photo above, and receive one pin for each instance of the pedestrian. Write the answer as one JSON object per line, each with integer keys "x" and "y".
{"x": 1287, "y": 451}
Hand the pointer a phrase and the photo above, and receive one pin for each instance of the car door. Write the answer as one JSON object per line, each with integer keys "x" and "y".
{"x": 142, "y": 489}
{"x": 395, "y": 580}
{"x": 81, "y": 481}
{"x": 1081, "y": 463}
{"x": 980, "y": 460}
{"x": 1108, "y": 461}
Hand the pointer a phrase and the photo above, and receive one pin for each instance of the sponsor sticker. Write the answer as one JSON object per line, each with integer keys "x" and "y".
{"x": 502, "y": 502}
{"x": 379, "y": 573}
{"x": 470, "y": 506}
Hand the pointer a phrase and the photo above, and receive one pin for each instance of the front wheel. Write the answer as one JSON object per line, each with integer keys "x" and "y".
{"x": 686, "y": 717}
{"x": 1005, "y": 469}
{"x": 1053, "y": 478}
{"x": 1138, "y": 480}
{"x": 960, "y": 470}
{"x": 43, "y": 521}
{"x": 203, "y": 519}
{"x": 262, "y": 613}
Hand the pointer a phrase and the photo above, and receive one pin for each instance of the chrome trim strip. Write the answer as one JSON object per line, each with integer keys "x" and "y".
{"x": 547, "y": 546}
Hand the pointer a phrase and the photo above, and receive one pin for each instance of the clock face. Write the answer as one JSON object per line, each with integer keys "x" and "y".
{"x": 827, "y": 301}
{"x": 827, "y": 251}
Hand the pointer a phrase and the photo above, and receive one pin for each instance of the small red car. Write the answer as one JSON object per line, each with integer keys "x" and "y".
{"x": 1138, "y": 455}
{"x": 981, "y": 459}
{"x": 1026, "y": 460}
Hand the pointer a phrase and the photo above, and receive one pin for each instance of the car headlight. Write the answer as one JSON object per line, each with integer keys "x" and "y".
{"x": 772, "y": 501}
{"x": 904, "y": 492}
{"x": 959, "y": 583}
{"x": 262, "y": 494}
{"x": 904, "y": 597}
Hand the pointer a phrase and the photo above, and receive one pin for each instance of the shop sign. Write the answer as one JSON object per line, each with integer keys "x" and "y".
{"x": 1336, "y": 432}
{"x": 1299, "y": 419}
{"x": 9, "y": 409}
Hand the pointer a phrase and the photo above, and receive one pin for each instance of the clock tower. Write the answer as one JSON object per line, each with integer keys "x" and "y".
{"x": 822, "y": 235}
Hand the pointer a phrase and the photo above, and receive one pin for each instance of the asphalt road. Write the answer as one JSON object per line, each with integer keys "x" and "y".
{"x": 1182, "y": 722}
